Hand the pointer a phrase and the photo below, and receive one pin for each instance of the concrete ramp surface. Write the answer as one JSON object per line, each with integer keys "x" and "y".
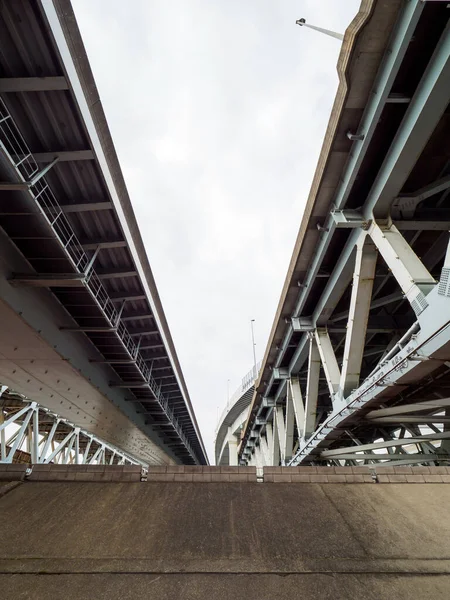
{"x": 166, "y": 540}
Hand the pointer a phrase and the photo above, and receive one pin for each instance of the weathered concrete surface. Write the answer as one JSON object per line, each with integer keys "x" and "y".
{"x": 214, "y": 587}
{"x": 219, "y": 540}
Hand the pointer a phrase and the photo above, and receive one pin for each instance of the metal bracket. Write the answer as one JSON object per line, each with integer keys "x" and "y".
{"x": 26, "y": 185}
{"x": 349, "y": 219}
{"x": 281, "y": 373}
{"x": 355, "y": 136}
{"x": 302, "y": 324}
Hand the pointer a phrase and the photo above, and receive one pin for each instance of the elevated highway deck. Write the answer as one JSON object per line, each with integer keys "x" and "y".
{"x": 83, "y": 331}
{"x": 357, "y": 362}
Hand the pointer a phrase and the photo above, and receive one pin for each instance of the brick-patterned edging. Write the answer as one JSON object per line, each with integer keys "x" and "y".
{"x": 201, "y": 474}
{"x": 206, "y": 474}
{"x": 13, "y": 472}
{"x": 368, "y": 474}
{"x": 98, "y": 473}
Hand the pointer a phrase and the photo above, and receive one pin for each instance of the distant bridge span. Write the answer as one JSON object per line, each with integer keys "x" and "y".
{"x": 83, "y": 330}
{"x": 357, "y": 366}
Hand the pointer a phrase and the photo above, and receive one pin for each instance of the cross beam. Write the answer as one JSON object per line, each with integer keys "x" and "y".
{"x": 33, "y": 84}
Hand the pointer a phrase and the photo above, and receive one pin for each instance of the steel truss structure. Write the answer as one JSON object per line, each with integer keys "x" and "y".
{"x": 32, "y": 434}
{"x": 360, "y": 370}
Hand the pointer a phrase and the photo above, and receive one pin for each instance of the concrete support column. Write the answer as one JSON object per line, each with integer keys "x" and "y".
{"x": 232, "y": 450}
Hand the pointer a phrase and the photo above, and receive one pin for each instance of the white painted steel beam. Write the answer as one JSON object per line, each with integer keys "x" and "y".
{"x": 387, "y": 458}
{"x": 409, "y": 271}
{"x": 386, "y": 444}
{"x": 312, "y": 389}
{"x": 297, "y": 404}
{"x": 363, "y": 277}
{"x": 404, "y": 207}
{"x": 403, "y": 409}
{"x": 328, "y": 360}
{"x": 289, "y": 426}
{"x": 20, "y": 434}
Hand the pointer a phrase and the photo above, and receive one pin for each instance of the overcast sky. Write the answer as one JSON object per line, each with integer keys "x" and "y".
{"x": 217, "y": 109}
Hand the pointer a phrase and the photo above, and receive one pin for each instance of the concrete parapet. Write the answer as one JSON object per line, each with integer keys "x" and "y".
{"x": 212, "y": 474}
{"x": 365, "y": 474}
{"x": 12, "y": 472}
{"x": 95, "y": 473}
{"x": 199, "y": 474}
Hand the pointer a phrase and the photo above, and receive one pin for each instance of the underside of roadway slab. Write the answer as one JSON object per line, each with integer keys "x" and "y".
{"x": 171, "y": 540}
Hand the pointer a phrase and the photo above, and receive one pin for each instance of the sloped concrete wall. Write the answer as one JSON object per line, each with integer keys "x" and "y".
{"x": 219, "y": 540}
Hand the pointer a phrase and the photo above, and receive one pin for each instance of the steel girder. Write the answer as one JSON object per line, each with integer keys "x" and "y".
{"x": 412, "y": 355}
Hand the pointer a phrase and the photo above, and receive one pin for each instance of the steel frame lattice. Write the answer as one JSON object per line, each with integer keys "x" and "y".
{"x": 30, "y": 433}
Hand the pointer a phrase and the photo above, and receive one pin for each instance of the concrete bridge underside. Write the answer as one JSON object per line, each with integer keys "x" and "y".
{"x": 83, "y": 331}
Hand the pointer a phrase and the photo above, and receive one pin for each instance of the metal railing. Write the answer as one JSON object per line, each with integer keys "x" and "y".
{"x": 16, "y": 149}
{"x": 15, "y": 144}
{"x": 247, "y": 381}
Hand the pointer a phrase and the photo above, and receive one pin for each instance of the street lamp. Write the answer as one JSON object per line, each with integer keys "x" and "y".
{"x": 254, "y": 348}
{"x": 302, "y": 23}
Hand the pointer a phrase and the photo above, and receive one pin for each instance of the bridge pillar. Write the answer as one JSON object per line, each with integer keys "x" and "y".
{"x": 264, "y": 444}
{"x": 232, "y": 449}
{"x": 274, "y": 444}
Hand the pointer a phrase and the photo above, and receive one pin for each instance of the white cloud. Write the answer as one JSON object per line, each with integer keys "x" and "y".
{"x": 217, "y": 110}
